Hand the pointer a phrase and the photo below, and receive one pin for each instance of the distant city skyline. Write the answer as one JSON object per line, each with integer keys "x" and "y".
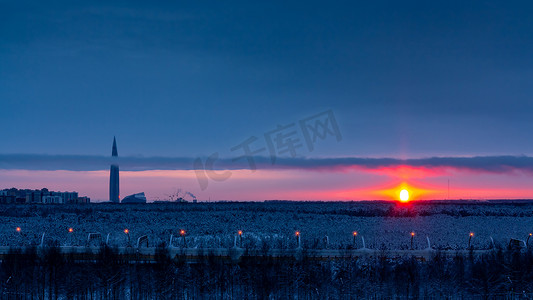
{"x": 40, "y": 196}
{"x": 431, "y": 91}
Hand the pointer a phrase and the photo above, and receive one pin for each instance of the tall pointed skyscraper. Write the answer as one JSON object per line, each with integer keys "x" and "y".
{"x": 114, "y": 192}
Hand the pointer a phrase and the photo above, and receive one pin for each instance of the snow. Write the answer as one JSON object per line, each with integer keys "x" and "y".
{"x": 383, "y": 225}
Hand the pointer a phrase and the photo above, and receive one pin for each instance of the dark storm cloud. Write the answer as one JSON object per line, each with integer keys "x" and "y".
{"x": 489, "y": 164}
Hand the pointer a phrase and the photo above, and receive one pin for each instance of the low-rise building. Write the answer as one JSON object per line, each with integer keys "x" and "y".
{"x": 83, "y": 200}
{"x": 52, "y": 200}
{"x": 5, "y": 199}
{"x": 21, "y": 196}
{"x": 135, "y": 198}
{"x": 69, "y": 197}
{"x": 34, "y": 197}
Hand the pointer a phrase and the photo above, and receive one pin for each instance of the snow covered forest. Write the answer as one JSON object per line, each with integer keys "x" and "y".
{"x": 35, "y": 268}
{"x": 48, "y": 275}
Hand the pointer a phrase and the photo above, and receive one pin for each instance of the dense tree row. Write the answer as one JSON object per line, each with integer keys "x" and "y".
{"x": 49, "y": 275}
{"x": 357, "y": 209}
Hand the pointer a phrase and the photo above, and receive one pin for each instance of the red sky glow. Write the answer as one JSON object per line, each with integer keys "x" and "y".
{"x": 360, "y": 184}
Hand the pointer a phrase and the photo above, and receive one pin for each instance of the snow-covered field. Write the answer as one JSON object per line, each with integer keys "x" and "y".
{"x": 384, "y": 225}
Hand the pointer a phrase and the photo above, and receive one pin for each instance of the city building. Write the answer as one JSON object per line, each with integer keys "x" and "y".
{"x": 34, "y": 196}
{"x": 135, "y": 198}
{"x": 83, "y": 200}
{"x": 52, "y": 200}
{"x": 5, "y": 199}
{"x": 69, "y": 197}
{"x": 44, "y": 196}
{"x": 114, "y": 191}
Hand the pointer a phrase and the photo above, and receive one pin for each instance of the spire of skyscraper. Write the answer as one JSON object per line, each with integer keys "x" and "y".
{"x": 114, "y": 151}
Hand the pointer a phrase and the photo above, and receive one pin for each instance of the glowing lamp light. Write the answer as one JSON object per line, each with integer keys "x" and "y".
{"x": 239, "y": 232}
{"x": 71, "y": 230}
{"x": 470, "y": 238}
{"x": 354, "y": 233}
{"x": 18, "y": 229}
{"x": 126, "y": 231}
{"x": 182, "y": 232}
{"x": 530, "y": 234}
{"x": 297, "y": 233}
{"x": 412, "y": 234}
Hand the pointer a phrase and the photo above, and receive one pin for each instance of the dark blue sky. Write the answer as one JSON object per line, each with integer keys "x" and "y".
{"x": 176, "y": 78}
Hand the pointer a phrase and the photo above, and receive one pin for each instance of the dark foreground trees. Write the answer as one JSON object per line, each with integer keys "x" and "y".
{"x": 47, "y": 274}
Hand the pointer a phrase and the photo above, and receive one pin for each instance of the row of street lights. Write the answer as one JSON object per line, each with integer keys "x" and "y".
{"x": 297, "y": 233}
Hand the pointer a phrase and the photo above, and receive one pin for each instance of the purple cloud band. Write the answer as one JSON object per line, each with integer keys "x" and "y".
{"x": 491, "y": 164}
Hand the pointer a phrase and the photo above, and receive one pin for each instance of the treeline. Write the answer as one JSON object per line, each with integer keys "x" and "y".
{"x": 46, "y": 274}
{"x": 393, "y": 212}
{"x": 366, "y": 209}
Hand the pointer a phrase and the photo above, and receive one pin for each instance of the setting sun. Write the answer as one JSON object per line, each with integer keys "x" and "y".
{"x": 406, "y": 192}
{"x": 404, "y": 195}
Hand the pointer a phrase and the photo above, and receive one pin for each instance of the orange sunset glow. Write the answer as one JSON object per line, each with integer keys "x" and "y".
{"x": 405, "y": 192}
{"x": 356, "y": 184}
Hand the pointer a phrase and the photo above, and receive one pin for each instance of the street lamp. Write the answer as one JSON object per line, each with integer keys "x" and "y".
{"x": 412, "y": 239}
{"x": 71, "y": 230}
{"x": 240, "y": 237}
{"x": 527, "y": 241}
{"x": 470, "y": 239}
{"x": 297, "y": 233}
{"x": 127, "y": 232}
{"x": 182, "y": 233}
{"x": 18, "y": 229}
{"x": 354, "y": 235}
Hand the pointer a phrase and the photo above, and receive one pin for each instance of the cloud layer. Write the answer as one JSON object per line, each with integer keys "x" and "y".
{"x": 489, "y": 164}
